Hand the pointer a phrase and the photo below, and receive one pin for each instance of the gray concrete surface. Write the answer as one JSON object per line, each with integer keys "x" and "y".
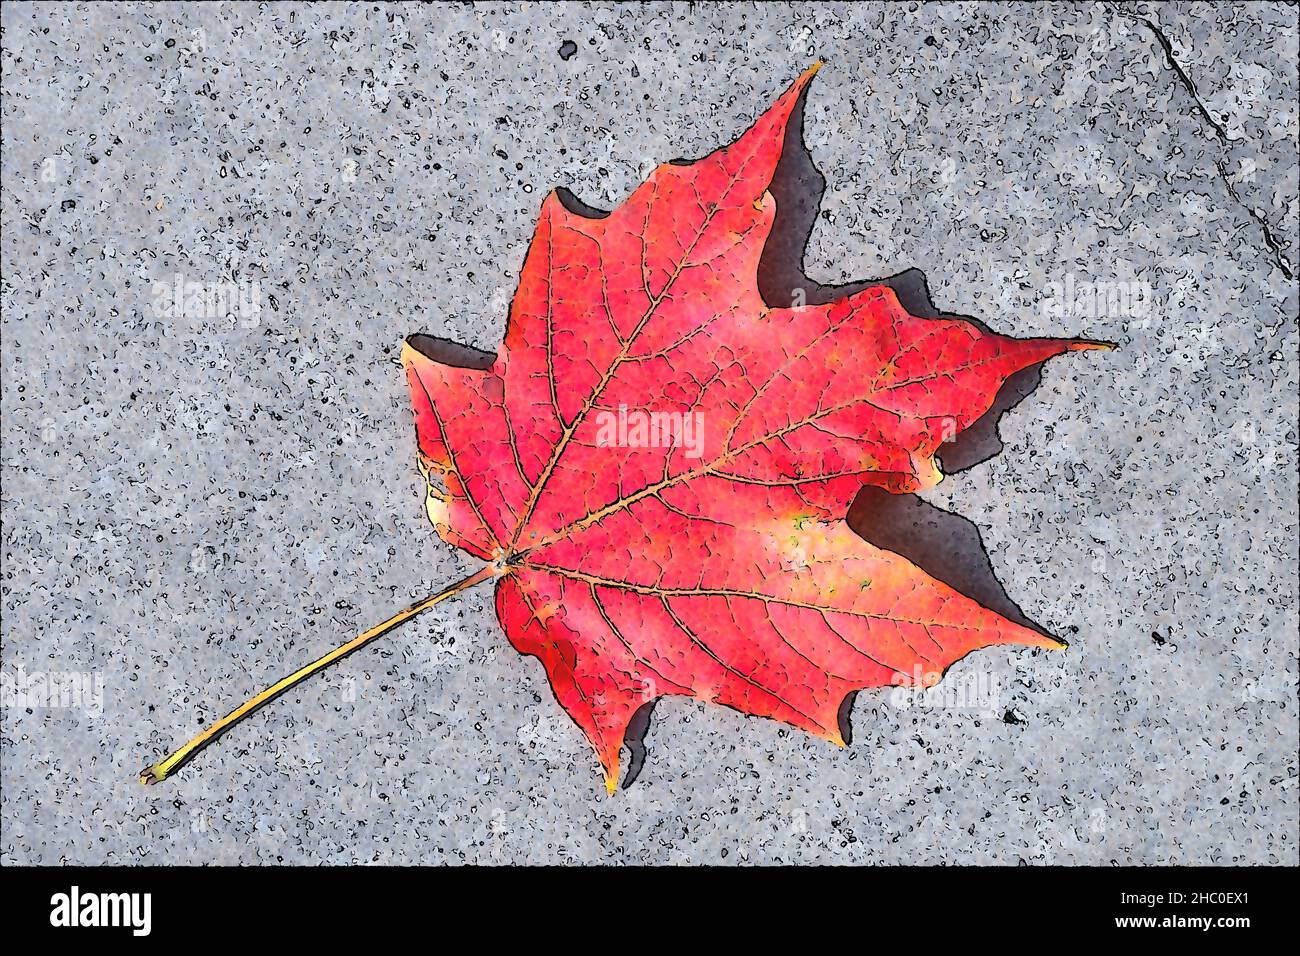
{"x": 193, "y": 506}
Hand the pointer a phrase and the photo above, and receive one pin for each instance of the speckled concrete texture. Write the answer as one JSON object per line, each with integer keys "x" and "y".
{"x": 196, "y": 501}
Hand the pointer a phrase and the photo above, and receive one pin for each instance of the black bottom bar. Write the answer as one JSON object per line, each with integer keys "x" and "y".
{"x": 265, "y": 909}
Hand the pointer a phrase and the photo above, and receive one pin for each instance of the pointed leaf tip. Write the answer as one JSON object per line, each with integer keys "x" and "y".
{"x": 1088, "y": 345}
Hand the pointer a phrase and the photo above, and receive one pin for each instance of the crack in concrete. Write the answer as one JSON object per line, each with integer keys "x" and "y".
{"x": 1269, "y": 241}
{"x": 1186, "y": 80}
{"x": 1220, "y": 133}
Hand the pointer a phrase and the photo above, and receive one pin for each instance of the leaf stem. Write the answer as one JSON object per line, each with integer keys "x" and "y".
{"x": 165, "y": 768}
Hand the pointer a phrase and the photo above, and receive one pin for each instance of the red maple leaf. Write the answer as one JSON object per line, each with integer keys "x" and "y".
{"x": 657, "y": 466}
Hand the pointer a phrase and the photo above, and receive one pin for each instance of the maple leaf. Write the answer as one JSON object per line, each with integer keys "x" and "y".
{"x": 658, "y": 465}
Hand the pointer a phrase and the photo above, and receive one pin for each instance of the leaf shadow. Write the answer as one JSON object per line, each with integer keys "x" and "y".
{"x": 634, "y": 741}
{"x": 951, "y": 549}
{"x": 798, "y": 187}
{"x": 945, "y": 545}
{"x": 453, "y": 354}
